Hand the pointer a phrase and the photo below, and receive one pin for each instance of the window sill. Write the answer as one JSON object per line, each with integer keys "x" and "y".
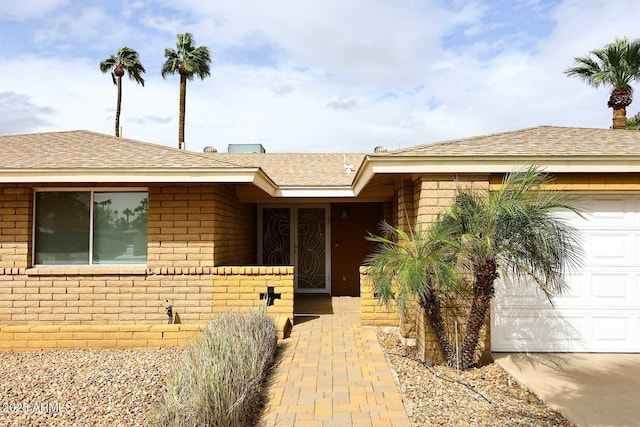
{"x": 84, "y": 271}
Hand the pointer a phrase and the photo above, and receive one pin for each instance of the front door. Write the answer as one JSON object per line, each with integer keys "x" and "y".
{"x": 298, "y": 236}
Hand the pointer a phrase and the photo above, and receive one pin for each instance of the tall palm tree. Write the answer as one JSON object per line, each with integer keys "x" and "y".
{"x": 187, "y": 60}
{"x": 618, "y": 65}
{"x": 513, "y": 231}
{"x": 126, "y": 60}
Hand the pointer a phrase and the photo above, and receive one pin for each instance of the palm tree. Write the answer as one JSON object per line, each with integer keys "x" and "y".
{"x": 417, "y": 265}
{"x": 618, "y": 65}
{"x": 126, "y": 60}
{"x": 513, "y": 231}
{"x": 187, "y": 60}
{"x": 633, "y": 122}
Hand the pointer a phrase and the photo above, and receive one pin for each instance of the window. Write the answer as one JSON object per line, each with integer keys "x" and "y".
{"x": 90, "y": 227}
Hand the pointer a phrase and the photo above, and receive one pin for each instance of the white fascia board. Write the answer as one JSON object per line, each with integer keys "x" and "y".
{"x": 477, "y": 164}
{"x": 238, "y": 175}
{"x": 490, "y": 164}
{"x": 315, "y": 192}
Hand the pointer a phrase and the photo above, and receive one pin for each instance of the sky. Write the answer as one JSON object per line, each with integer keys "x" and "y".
{"x": 309, "y": 76}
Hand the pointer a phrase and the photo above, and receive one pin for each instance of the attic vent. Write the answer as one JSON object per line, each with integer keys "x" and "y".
{"x": 380, "y": 149}
{"x": 246, "y": 148}
{"x": 210, "y": 149}
{"x": 348, "y": 168}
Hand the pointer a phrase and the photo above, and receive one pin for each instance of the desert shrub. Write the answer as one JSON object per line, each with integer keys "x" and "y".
{"x": 219, "y": 380}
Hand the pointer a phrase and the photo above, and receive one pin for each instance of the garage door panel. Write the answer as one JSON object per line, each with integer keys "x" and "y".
{"x": 614, "y": 331}
{"x": 610, "y": 248}
{"x": 600, "y": 310}
{"x": 614, "y": 289}
{"x": 542, "y": 330}
{"x": 518, "y": 294}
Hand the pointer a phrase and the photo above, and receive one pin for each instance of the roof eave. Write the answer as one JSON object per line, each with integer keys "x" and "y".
{"x": 373, "y": 165}
{"x": 254, "y": 176}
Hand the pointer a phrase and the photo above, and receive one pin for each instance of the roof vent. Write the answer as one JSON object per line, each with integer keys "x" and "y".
{"x": 246, "y": 148}
{"x": 210, "y": 149}
{"x": 348, "y": 168}
{"x": 380, "y": 149}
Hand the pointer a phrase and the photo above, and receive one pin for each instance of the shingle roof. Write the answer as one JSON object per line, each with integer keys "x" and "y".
{"x": 83, "y": 149}
{"x": 298, "y": 169}
{"x": 537, "y": 141}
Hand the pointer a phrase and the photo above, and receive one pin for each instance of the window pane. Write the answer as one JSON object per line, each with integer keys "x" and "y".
{"x": 120, "y": 228}
{"x": 62, "y": 228}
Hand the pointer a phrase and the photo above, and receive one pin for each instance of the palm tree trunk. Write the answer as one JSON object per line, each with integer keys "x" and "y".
{"x": 620, "y": 118}
{"x": 433, "y": 310}
{"x": 183, "y": 96}
{"x": 118, "y": 104}
{"x": 483, "y": 291}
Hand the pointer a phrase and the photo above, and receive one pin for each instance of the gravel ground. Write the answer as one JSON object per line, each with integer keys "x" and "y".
{"x": 82, "y": 387}
{"x": 441, "y": 396}
{"x": 118, "y": 387}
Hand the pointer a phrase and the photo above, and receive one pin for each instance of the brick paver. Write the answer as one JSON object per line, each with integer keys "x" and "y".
{"x": 332, "y": 372}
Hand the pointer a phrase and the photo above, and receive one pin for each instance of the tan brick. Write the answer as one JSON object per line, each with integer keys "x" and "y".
{"x": 132, "y": 343}
{"x": 43, "y": 343}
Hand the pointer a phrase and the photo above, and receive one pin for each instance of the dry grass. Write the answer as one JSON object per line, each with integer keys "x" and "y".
{"x": 219, "y": 380}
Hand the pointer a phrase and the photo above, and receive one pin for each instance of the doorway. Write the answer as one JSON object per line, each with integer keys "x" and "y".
{"x": 299, "y": 236}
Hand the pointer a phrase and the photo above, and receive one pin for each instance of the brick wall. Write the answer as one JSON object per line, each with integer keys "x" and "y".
{"x": 68, "y": 297}
{"x": 372, "y": 313}
{"x": 454, "y": 310}
{"x": 435, "y": 193}
{"x": 239, "y": 289}
{"x": 199, "y": 226}
{"x": 404, "y": 217}
{"x": 235, "y": 229}
{"x": 15, "y": 226}
{"x": 192, "y": 228}
{"x": 21, "y": 338}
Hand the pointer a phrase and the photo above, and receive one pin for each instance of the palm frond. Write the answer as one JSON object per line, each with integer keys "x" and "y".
{"x": 405, "y": 266}
{"x": 616, "y": 64}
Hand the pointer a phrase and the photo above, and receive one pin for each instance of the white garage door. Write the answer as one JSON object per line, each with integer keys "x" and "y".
{"x": 600, "y": 312}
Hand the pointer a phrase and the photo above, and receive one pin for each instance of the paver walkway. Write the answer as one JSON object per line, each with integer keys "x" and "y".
{"x": 332, "y": 372}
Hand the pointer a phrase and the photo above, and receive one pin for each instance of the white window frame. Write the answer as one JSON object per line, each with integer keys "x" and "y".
{"x": 91, "y": 191}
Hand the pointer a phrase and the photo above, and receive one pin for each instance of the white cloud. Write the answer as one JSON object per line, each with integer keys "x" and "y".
{"x": 25, "y": 9}
{"x": 341, "y": 76}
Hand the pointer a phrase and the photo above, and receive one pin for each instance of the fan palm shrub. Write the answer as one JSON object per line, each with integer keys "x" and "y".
{"x": 513, "y": 231}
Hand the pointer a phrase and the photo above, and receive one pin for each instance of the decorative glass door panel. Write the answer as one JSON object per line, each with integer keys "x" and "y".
{"x": 311, "y": 250}
{"x": 298, "y": 236}
{"x": 276, "y": 236}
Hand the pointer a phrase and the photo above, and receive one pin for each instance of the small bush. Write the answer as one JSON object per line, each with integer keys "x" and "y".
{"x": 219, "y": 380}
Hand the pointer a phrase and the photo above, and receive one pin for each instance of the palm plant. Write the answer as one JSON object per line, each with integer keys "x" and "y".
{"x": 419, "y": 265}
{"x": 633, "y": 122}
{"x": 513, "y": 231}
{"x": 125, "y": 61}
{"x": 188, "y": 61}
{"x": 618, "y": 65}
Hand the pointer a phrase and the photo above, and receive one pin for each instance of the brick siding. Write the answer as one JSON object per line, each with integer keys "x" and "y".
{"x": 194, "y": 230}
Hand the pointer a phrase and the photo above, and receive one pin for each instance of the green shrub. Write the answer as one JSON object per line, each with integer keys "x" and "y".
{"x": 219, "y": 381}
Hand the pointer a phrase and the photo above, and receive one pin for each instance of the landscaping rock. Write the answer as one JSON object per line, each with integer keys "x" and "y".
{"x": 442, "y": 396}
